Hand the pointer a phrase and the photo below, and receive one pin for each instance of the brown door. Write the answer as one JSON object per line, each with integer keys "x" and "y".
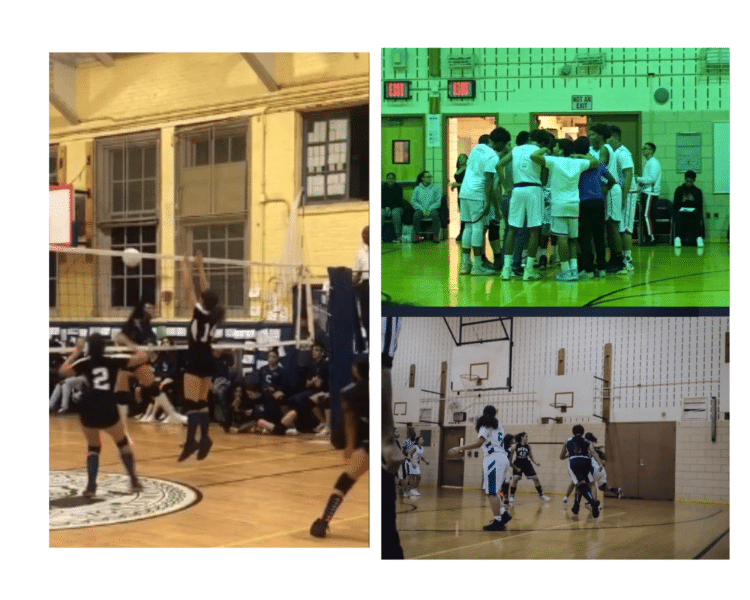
{"x": 452, "y": 467}
{"x": 641, "y": 459}
{"x": 630, "y": 125}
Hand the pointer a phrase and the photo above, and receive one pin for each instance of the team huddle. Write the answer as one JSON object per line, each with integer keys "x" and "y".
{"x": 579, "y": 195}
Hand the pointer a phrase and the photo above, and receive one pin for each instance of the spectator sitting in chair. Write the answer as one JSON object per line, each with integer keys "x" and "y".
{"x": 394, "y": 206}
{"x": 688, "y": 213}
{"x": 426, "y": 200}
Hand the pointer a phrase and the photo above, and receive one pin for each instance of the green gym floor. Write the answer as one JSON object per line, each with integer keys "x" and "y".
{"x": 426, "y": 274}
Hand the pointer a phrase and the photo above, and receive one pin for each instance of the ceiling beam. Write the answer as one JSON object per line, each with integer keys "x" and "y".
{"x": 257, "y": 64}
{"x": 105, "y": 59}
{"x": 62, "y": 58}
{"x": 65, "y": 110}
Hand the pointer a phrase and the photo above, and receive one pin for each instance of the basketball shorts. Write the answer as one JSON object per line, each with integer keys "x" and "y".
{"x": 401, "y": 474}
{"x": 414, "y": 468}
{"x": 580, "y": 470}
{"x": 97, "y": 413}
{"x": 494, "y": 466}
{"x": 614, "y": 203}
{"x": 471, "y": 210}
{"x": 600, "y": 473}
{"x": 526, "y": 468}
{"x": 628, "y": 213}
{"x": 526, "y": 203}
{"x": 567, "y": 226}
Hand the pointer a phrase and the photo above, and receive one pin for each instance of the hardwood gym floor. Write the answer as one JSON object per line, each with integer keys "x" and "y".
{"x": 447, "y": 524}
{"x": 258, "y": 491}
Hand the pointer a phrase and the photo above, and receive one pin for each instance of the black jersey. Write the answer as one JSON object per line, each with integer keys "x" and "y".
{"x": 578, "y": 447}
{"x": 139, "y": 331}
{"x": 98, "y": 405}
{"x": 522, "y": 452}
{"x": 200, "y": 360}
{"x": 272, "y": 380}
{"x": 319, "y": 369}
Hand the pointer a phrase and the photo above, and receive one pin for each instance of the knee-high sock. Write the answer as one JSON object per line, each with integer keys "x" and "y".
{"x": 343, "y": 485}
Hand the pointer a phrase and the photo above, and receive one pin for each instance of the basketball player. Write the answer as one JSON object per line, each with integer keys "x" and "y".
{"x": 521, "y": 459}
{"x": 199, "y": 368}
{"x": 136, "y": 332}
{"x": 415, "y": 455}
{"x": 401, "y": 473}
{"x": 526, "y": 201}
{"x": 411, "y": 439}
{"x": 623, "y": 173}
{"x": 355, "y": 403}
{"x": 391, "y": 456}
{"x": 98, "y": 405}
{"x": 477, "y": 196}
{"x": 495, "y": 461}
{"x": 579, "y": 451}
{"x": 510, "y": 469}
{"x": 600, "y": 473}
{"x": 650, "y": 184}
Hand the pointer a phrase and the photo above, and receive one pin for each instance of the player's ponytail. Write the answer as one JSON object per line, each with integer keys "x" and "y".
{"x": 488, "y": 418}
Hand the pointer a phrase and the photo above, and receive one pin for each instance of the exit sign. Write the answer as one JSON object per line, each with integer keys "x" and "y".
{"x": 462, "y": 88}
{"x": 396, "y": 90}
{"x": 583, "y": 102}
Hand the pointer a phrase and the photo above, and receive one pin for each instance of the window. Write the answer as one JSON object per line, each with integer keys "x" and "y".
{"x": 400, "y": 152}
{"x": 53, "y": 165}
{"x": 336, "y": 155}
{"x": 127, "y": 203}
{"x": 129, "y": 285}
{"x": 223, "y": 241}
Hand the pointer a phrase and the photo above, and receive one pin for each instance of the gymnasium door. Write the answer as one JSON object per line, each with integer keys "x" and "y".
{"x": 403, "y": 150}
{"x": 452, "y": 467}
{"x": 630, "y": 124}
{"x": 641, "y": 459}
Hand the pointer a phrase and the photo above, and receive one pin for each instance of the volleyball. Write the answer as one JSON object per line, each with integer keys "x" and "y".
{"x": 131, "y": 257}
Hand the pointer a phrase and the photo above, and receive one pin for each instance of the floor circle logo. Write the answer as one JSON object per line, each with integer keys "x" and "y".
{"x": 113, "y": 502}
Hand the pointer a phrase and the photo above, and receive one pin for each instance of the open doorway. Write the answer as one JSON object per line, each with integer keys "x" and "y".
{"x": 462, "y": 136}
{"x": 563, "y": 126}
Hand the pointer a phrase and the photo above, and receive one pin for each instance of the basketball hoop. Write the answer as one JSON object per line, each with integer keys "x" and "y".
{"x": 470, "y": 381}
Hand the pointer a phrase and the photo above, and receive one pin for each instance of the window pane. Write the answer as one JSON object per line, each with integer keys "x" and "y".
{"x": 316, "y": 132}
{"x": 118, "y": 267}
{"x": 117, "y": 162}
{"x": 235, "y": 290}
{"x": 135, "y": 167}
{"x": 52, "y": 293}
{"x": 238, "y": 149}
{"x": 118, "y": 197}
{"x": 200, "y": 233}
{"x": 148, "y": 266}
{"x": 217, "y": 249}
{"x": 337, "y": 129}
{"x": 200, "y": 153}
{"x": 216, "y": 232}
{"x": 221, "y": 150}
{"x": 132, "y": 290}
{"x": 236, "y": 230}
{"x": 316, "y": 185}
{"x": 135, "y": 196}
{"x": 148, "y": 235}
{"x": 235, "y": 249}
{"x": 149, "y": 194}
{"x": 118, "y": 291}
{"x": 118, "y": 238}
{"x": 133, "y": 236}
{"x": 202, "y": 246}
{"x": 149, "y": 161}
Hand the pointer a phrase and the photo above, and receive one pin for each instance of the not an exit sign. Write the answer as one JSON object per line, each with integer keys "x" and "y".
{"x": 583, "y": 103}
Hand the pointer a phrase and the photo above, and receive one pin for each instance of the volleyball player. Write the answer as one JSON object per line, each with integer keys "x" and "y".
{"x": 521, "y": 459}
{"x": 355, "y": 403}
{"x": 495, "y": 461}
{"x": 579, "y": 451}
{"x": 98, "y": 405}
{"x": 199, "y": 368}
{"x": 415, "y": 455}
{"x": 136, "y": 332}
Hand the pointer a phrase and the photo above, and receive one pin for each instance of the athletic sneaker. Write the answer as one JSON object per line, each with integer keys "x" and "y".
{"x": 414, "y": 493}
{"x": 616, "y": 270}
{"x": 677, "y": 242}
{"x": 319, "y": 528}
{"x": 291, "y": 431}
{"x": 487, "y": 264}
{"x": 699, "y": 242}
{"x": 495, "y": 525}
{"x": 565, "y": 500}
{"x": 203, "y": 447}
{"x": 619, "y": 493}
{"x": 506, "y": 273}
{"x": 541, "y": 264}
{"x": 575, "y": 509}
{"x": 512, "y": 498}
{"x": 465, "y": 269}
{"x": 505, "y": 517}
{"x": 595, "y": 508}
{"x": 601, "y": 273}
{"x": 585, "y": 275}
{"x": 135, "y": 486}
{"x": 480, "y": 270}
{"x": 531, "y": 274}
{"x": 90, "y": 491}
{"x": 629, "y": 265}
{"x": 569, "y": 275}
{"x": 187, "y": 450}
{"x": 543, "y": 497}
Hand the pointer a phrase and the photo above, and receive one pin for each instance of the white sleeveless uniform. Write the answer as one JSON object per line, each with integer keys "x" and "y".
{"x": 414, "y": 468}
{"x": 624, "y": 160}
{"x": 526, "y": 200}
{"x": 495, "y": 458}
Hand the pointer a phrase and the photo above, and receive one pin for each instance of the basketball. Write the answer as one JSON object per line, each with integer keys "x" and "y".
{"x": 131, "y": 257}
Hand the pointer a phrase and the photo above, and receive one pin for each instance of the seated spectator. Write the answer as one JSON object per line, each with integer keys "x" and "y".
{"x": 689, "y": 228}
{"x": 244, "y": 416}
{"x": 426, "y": 201}
{"x": 393, "y": 205}
{"x": 273, "y": 379}
{"x": 167, "y": 373}
{"x": 221, "y": 386}
{"x": 315, "y": 395}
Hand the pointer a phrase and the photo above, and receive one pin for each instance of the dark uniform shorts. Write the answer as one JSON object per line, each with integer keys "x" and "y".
{"x": 200, "y": 363}
{"x": 98, "y": 414}
{"x": 526, "y": 468}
